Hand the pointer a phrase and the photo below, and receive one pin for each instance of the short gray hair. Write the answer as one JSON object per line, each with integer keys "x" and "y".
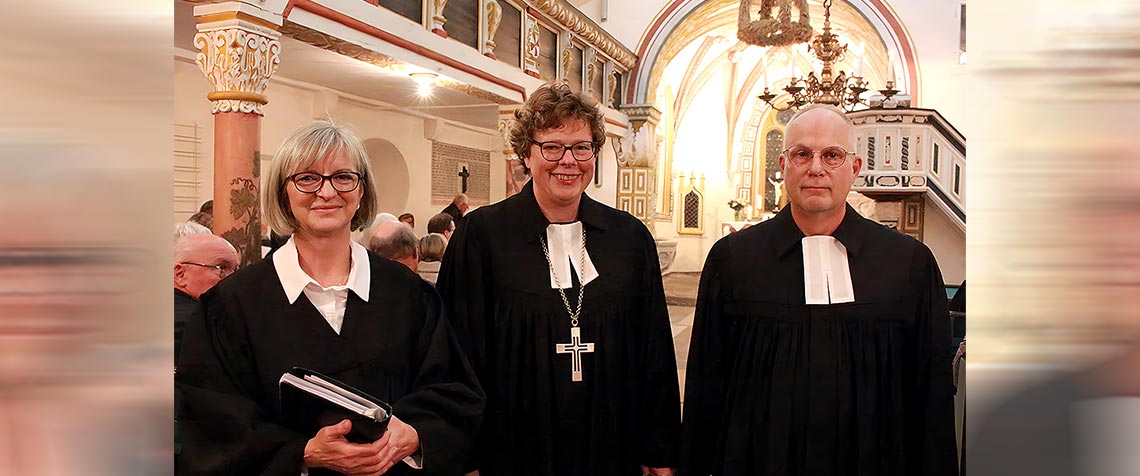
{"x": 398, "y": 243}
{"x": 304, "y": 147}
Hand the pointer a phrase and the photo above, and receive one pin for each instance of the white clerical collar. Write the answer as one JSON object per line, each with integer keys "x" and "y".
{"x": 827, "y": 274}
{"x": 565, "y": 244}
{"x": 294, "y": 279}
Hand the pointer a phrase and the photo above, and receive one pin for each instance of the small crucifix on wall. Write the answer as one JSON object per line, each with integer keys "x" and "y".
{"x": 463, "y": 174}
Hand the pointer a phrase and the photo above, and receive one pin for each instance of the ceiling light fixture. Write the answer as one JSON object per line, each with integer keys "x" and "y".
{"x": 424, "y": 82}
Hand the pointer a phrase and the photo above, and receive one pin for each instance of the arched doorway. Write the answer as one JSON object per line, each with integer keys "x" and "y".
{"x": 390, "y": 171}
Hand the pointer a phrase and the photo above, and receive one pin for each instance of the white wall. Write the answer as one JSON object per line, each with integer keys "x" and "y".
{"x": 947, "y": 243}
{"x": 292, "y": 104}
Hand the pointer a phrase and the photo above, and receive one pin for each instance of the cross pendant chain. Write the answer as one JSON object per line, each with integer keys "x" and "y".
{"x": 576, "y": 348}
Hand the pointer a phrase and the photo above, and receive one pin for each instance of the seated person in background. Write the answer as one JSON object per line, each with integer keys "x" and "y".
{"x": 443, "y": 224}
{"x": 325, "y": 303}
{"x": 188, "y": 228}
{"x": 431, "y": 247}
{"x": 200, "y": 261}
{"x": 396, "y": 241}
{"x": 409, "y": 219}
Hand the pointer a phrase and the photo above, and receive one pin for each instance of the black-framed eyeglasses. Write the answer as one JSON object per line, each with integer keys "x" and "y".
{"x": 223, "y": 269}
{"x": 553, "y": 151}
{"x": 309, "y": 182}
{"x": 831, "y": 157}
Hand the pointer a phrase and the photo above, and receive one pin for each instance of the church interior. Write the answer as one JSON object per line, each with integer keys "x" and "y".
{"x": 430, "y": 85}
{"x": 696, "y": 95}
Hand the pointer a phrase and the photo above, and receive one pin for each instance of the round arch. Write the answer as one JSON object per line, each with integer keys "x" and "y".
{"x": 390, "y": 171}
{"x": 676, "y": 17}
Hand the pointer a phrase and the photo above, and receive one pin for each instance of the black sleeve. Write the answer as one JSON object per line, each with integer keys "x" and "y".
{"x": 661, "y": 418}
{"x": 225, "y": 426}
{"x": 708, "y": 365}
{"x": 930, "y": 411}
{"x": 446, "y": 404}
{"x": 463, "y": 284}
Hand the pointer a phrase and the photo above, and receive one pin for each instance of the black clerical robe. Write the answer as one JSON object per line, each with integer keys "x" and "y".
{"x": 456, "y": 214}
{"x": 625, "y": 412}
{"x": 397, "y": 346}
{"x": 774, "y": 386}
{"x": 184, "y": 306}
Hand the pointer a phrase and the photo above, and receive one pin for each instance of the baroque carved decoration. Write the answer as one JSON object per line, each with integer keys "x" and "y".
{"x": 774, "y": 31}
{"x": 567, "y": 54}
{"x": 494, "y": 16}
{"x": 337, "y": 45}
{"x": 586, "y": 30}
{"x": 611, "y": 87}
{"x": 474, "y": 91}
{"x": 238, "y": 63}
{"x": 530, "y": 63}
{"x": 435, "y": 17}
{"x": 589, "y": 56}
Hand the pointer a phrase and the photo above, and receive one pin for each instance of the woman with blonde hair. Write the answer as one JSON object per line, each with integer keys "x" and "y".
{"x": 322, "y": 302}
{"x": 431, "y": 247}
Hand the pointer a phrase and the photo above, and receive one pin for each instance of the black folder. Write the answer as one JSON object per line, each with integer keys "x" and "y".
{"x": 310, "y": 401}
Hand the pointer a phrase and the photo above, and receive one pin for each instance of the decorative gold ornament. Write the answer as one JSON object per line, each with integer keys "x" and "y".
{"x": 494, "y": 16}
{"x": 774, "y": 31}
{"x": 584, "y": 29}
{"x": 839, "y": 90}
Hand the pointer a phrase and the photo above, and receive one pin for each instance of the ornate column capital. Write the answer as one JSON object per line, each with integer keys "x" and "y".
{"x": 639, "y": 114}
{"x": 238, "y": 51}
{"x": 643, "y": 144}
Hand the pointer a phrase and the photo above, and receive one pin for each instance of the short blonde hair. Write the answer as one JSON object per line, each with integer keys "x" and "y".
{"x": 432, "y": 247}
{"x": 304, "y": 147}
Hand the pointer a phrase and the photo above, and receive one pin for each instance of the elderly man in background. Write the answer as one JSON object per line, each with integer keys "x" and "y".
{"x": 396, "y": 241}
{"x": 443, "y": 224}
{"x": 200, "y": 261}
{"x": 457, "y": 209}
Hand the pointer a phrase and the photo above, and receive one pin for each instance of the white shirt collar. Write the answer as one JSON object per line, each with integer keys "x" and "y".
{"x": 294, "y": 279}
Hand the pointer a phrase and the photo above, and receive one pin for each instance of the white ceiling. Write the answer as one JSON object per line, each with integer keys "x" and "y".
{"x": 325, "y": 69}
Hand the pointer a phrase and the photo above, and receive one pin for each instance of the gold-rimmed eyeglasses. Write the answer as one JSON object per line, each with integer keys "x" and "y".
{"x": 831, "y": 157}
{"x": 223, "y": 269}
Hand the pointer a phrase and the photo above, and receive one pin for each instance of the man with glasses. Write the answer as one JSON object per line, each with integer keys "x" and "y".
{"x": 558, "y": 301}
{"x": 821, "y": 339}
{"x": 200, "y": 261}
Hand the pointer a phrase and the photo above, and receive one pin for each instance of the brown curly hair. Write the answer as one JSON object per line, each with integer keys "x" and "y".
{"x": 549, "y": 107}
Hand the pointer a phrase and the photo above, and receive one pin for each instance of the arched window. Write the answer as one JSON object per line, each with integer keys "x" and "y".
{"x": 773, "y": 146}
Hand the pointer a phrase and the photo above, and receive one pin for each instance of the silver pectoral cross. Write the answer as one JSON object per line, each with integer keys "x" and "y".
{"x": 577, "y": 348}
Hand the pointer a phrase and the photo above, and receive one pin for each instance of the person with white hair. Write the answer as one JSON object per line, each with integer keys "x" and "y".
{"x": 200, "y": 261}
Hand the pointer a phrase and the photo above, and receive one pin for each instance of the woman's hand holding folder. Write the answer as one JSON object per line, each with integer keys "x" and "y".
{"x": 329, "y": 449}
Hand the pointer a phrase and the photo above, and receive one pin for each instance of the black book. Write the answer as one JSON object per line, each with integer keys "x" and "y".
{"x": 310, "y": 401}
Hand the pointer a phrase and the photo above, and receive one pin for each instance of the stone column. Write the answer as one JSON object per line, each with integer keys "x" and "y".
{"x": 637, "y": 178}
{"x": 238, "y": 51}
{"x": 515, "y": 176}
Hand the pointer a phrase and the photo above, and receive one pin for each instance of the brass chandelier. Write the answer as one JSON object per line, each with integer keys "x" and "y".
{"x": 840, "y": 90}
